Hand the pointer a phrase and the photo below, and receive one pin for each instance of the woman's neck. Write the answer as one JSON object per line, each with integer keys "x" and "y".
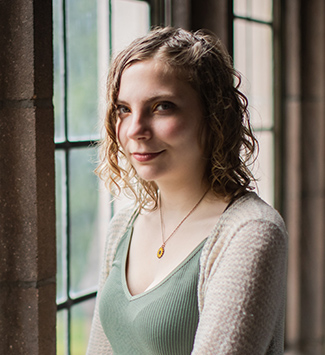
{"x": 180, "y": 199}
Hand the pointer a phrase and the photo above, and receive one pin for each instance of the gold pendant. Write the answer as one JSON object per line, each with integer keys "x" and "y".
{"x": 160, "y": 252}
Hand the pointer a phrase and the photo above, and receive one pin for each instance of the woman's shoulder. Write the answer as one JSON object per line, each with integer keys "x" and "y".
{"x": 123, "y": 217}
{"x": 118, "y": 225}
{"x": 248, "y": 220}
{"x": 251, "y": 209}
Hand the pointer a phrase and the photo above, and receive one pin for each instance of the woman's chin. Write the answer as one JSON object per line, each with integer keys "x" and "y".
{"x": 149, "y": 174}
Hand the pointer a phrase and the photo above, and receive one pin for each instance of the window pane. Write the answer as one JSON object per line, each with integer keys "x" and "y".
{"x": 85, "y": 249}
{"x": 82, "y": 69}
{"x": 81, "y": 316}
{"x": 58, "y": 72}
{"x": 133, "y": 13}
{"x": 60, "y": 175}
{"x": 61, "y": 332}
{"x": 83, "y": 208}
{"x": 263, "y": 168}
{"x": 257, "y": 9}
{"x": 253, "y": 57}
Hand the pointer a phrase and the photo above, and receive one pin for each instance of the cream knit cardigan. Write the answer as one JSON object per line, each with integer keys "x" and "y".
{"x": 242, "y": 281}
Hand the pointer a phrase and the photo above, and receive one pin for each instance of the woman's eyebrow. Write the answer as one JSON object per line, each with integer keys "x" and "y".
{"x": 161, "y": 96}
{"x": 154, "y": 97}
{"x": 121, "y": 102}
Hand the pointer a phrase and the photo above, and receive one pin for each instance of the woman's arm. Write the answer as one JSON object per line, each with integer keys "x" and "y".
{"x": 244, "y": 294}
{"x": 98, "y": 343}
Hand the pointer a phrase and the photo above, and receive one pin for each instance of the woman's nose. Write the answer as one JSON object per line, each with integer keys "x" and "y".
{"x": 139, "y": 127}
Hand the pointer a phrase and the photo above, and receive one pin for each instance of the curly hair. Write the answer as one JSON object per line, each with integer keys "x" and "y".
{"x": 225, "y": 133}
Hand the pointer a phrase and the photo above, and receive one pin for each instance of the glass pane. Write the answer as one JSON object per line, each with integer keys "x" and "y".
{"x": 264, "y": 167}
{"x": 61, "y": 332}
{"x": 253, "y": 57}
{"x": 84, "y": 205}
{"x": 241, "y": 7}
{"x": 82, "y": 69}
{"x": 60, "y": 175}
{"x": 81, "y": 316}
{"x": 257, "y": 9}
{"x": 58, "y": 72}
{"x": 135, "y": 14}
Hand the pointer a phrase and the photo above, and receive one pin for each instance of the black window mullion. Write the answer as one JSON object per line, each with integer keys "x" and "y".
{"x": 65, "y": 69}
{"x": 251, "y": 19}
{"x": 67, "y": 145}
{"x": 68, "y": 246}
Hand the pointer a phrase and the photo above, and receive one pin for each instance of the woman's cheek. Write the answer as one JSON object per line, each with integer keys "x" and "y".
{"x": 171, "y": 129}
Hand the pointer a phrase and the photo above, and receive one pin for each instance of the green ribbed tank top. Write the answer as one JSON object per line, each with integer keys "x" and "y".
{"x": 162, "y": 320}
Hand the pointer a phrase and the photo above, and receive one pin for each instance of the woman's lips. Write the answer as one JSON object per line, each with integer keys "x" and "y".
{"x": 144, "y": 157}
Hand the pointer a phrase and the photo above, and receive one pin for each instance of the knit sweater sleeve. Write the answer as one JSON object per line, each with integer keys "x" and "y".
{"x": 242, "y": 291}
{"x": 98, "y": 343}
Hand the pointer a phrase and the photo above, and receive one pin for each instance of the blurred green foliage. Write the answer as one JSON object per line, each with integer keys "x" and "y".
{"x": 81, "y": 90}
{"x": 83, "y": 192}
{"x": 80, "y": 66}
{"x": 80, "y": 327}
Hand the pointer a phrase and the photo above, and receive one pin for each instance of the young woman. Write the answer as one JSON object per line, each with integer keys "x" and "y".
{"x": 198, "y": 264}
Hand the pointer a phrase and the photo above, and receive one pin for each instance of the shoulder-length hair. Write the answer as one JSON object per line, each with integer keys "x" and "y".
{"x": 225, "y": 133}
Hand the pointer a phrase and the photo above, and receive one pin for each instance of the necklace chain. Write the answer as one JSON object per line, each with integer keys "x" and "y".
{"x": 161, "y": 250}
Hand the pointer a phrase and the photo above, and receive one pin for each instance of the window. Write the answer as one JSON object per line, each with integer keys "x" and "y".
{"x": 253, "y": 58}
{"x": 85, "y": 36}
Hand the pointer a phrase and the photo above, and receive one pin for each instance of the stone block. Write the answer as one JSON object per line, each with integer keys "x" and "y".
{"x": 26, "y": 194}
{"x": 26, "y": 51}
{"x": 27, "y": 319}
{"x": 17, "y": 47}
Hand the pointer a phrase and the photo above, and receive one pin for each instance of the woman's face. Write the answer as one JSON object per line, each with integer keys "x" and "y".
{"x": 159, "y": 118}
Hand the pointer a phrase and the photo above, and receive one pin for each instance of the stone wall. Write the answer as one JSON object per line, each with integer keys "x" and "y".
{"x": 27, "y": 207}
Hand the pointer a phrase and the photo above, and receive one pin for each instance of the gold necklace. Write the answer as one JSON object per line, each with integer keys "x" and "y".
{"x": 161, "y": 250}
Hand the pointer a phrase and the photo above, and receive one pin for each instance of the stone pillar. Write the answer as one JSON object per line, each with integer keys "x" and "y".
{"x": 216, "y": 16}
{"x": 27, "y": 207}
{"x": 292, "y": 166}
{"x": 181, "y": 13}
{"x": 313, "y": 176}
{"x": 304, "y": 200}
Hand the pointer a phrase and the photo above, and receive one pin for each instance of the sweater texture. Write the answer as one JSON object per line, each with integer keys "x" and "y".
{"x": 241, "y": 287}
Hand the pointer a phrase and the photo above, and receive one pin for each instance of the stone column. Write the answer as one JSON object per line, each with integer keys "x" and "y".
{"x": 214, "y": 15}
{"x": 27, "y": 207}
{"x": 181, "y": 13}
{"x": 292, "y": 166}
{"x": 304, "y": 200}
{"x": 313, "y": 176}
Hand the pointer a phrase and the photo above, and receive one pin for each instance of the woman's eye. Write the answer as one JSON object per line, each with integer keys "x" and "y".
{"x": 122, "y": 110}
{"x": 164, "y": 106}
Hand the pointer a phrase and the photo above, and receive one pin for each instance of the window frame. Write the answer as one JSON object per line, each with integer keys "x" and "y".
{"x": 159, "y": 9}
{"x": 161, "y": 14}
{"x": 277, "y": 125}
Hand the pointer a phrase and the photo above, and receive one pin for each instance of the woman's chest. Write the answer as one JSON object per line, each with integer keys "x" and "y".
{"x": 162, "y": 320}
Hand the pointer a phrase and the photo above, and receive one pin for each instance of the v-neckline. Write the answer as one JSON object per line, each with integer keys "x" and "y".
{"x": 179, "y": 266}
{"x": 125, "y": 286}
